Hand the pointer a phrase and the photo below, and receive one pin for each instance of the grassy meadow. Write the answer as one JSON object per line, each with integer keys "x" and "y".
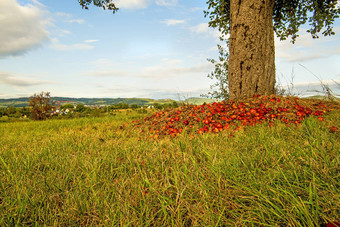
{"x": 104, "y": 172}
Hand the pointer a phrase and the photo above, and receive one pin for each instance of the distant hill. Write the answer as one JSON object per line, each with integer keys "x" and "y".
{"x": 16, "y": 102}
{"x": 21, "y": 102}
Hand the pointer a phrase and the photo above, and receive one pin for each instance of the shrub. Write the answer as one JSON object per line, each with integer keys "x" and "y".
{"x": 41, "y": 106}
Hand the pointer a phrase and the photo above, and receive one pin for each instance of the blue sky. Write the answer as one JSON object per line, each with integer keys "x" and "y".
{"x": 149, "y": 48}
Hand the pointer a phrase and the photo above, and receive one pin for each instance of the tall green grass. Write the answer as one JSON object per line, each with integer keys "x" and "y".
{"x": 101, "y": 171}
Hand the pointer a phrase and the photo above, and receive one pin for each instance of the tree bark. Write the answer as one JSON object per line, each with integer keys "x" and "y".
{"x": 251, "y": 48}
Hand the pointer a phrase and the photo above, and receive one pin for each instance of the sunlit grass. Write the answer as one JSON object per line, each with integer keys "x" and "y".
{"x": 102, "y": 171}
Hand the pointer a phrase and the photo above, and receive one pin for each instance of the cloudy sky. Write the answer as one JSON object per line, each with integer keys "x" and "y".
{"x": 150, "y": 48}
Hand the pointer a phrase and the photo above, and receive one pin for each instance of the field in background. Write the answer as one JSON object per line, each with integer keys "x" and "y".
{"x": 102, "y": 171}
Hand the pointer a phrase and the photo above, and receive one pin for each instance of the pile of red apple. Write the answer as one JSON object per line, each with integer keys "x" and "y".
{"x": 230, "y": 115}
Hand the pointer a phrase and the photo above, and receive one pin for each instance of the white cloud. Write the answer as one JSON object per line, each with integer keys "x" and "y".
{"x": 126, "y": 90}
{"x": 306, "y": 48}
{"x": 91, "y": 41}
{"x": 318, "y": 83}
{"x": 167, "y": 68}
{"x": 171, "y": 68}
{"x": 200, "y": 28}
{"x": 105, "y": 67}
{"x": 78, "y": 21}
{"x": 67, "y": 47}
{"x": 298, "y": 56}
{"x": 167, "y": 2}
{"x": 107, "y": 73}
{"x": 171, "y": 22}
{"x": 132, "y": 4}
{"x": 102, "y": 63}
{"x": 64, "y": 32}
{"x": 22, "y": 28}
{"x": 68, "y": 18}
{"x": 9, "y": 79}
{"x": 62, "y": 14}
{"x": 140, "y": 4}
{"x": 194, "y": 9}
{"x": 203, "y": 28}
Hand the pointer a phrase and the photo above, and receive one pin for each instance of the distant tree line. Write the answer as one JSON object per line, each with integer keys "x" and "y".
{"x": 41, "y": 107}
{"x": 23, "y": 102}
{"x": 165, "y": 105}
{"x": 15, "y": 112}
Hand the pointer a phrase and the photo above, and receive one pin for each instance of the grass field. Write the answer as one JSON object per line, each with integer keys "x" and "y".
{"x": 102, "y": 171}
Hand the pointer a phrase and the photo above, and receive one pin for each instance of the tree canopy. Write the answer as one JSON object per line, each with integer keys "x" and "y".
{"x": 105, "y": 4}
{"x": 41, "y": 106}
{"x": 288, "y": 16}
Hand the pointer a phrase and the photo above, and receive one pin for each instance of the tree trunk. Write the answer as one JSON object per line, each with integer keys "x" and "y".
{"x": 251, "y": 49}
